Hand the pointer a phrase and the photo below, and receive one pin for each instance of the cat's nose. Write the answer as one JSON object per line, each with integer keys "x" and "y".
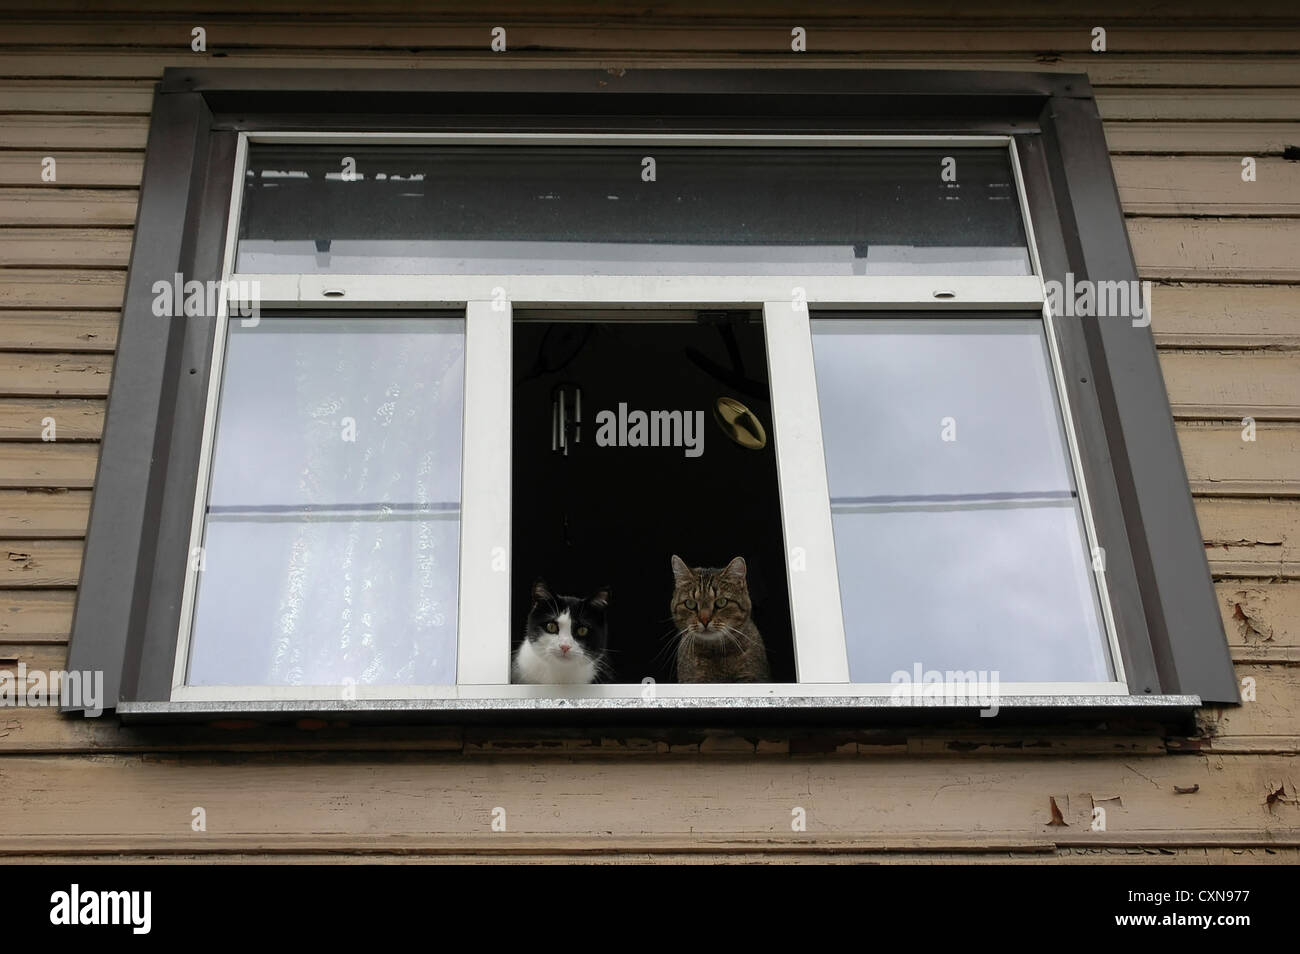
{"x": 705, "y": 616}
{"x": 564, "y": 648}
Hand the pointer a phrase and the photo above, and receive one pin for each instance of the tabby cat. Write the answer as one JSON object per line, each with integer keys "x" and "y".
{"x": 718, "y": 639}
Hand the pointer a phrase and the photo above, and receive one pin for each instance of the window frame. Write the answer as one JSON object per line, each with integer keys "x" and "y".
{"x": 820, "y": 646}
{"x": 194, "y": 108}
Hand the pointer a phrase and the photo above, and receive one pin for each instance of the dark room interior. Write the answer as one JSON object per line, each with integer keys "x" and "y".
{"x": 594, "y": 509}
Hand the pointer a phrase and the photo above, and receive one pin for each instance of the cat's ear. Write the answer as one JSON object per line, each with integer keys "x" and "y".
{"x": 541, "y": 592}
{"x": 736, "y": 570}
{"x": 601, "y": 598}
{"x": 681, "y": 572}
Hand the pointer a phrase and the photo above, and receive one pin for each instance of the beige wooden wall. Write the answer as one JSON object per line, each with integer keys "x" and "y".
{"x": 1186, "y": 93}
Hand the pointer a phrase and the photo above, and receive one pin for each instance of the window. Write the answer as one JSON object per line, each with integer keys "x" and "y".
{"x": 447, "y": 362}
{"x": 471, "y": 206}
{"x": 951, "y": 490}
{"x": 330, "y": 533}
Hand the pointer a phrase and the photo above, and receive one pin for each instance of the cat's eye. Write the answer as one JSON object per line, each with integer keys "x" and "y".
{"x": 691, "y": 604}
{"x": 582, "y": 631}
{"x": 720, "y": 603}
{"x": 552, "y": 627}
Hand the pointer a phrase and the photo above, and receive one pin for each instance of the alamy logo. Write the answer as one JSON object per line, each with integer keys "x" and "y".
{"x": 1089, "y": 299}
{"x": 74, "y": 689}
{"x": 931, "y": 687}
{"x": 179, "y": 298}
{"x": 626, "y": 428}
{"x": 103, "y": 907}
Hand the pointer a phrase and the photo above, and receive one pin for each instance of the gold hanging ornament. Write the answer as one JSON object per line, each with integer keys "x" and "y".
{"x": 739, "y": 423}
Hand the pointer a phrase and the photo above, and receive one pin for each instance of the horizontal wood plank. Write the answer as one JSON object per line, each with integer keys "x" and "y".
{"x": 1262, "y": 620}
{"x": 53, "y": 97}
{"x": 1270, "y": 721}
{"x": 46, "y": 419}
{"x": 75, "y": 207}
{"x": 1201, "y": 138}
{"x": 34, "y": 514}
{"x": 45, "y": 132}
{"x": 63, "y": 375}
{"x": 1118, "y": 68}
{"x": 107, "y": 802}
{"x": 39, "y": 563}
{"x": 36, "y": 616}
{"x": 1177, "y": 185}
{"x": 65, "y": 248}
{"x": 641, "y": 34}
{"x": 1226, "y": 316}
{"x": 1255, "y": 539}
{"x": 122, "y": 97}
{"x": 71, "y": 169}
{"x": 1059, "y": 11}
{"x": 598, "y": 851}
{"x": 1236, "y": 384}
{"x": 1220, "y": 463}
{"x": 1234, "y": 250}
{"x": 1209, "y": 105}
{"x": 61, "y": 288}
{"x": 69, "y": 331}
{"x": 37, "y": 466}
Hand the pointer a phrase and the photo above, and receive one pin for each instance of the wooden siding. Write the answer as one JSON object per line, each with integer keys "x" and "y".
{"x": 1186, "y": 91}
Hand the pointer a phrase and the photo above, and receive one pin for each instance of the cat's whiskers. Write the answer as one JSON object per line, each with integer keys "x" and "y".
{"x": 601, "y": 667}
{"x": 670, "y": 641}
{"x": 735, "y": 636}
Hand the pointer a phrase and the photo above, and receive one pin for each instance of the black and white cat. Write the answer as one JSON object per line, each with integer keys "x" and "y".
{"x": 564, "y": 639}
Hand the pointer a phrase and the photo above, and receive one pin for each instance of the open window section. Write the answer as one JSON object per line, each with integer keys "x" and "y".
{"x": 658, "y": 210}
{"x": 959, "y": 532}
{"x": 634, "y": 440}
{"x": 330, "y": 535}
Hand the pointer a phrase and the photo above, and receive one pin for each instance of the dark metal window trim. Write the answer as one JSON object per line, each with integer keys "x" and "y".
{"x": 128, "y": 605}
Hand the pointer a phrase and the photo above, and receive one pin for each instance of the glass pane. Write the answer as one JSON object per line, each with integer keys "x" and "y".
{"x": 332, "y": 530}
{"x": 591, "y": 210}
{"x": 958, "y": 529}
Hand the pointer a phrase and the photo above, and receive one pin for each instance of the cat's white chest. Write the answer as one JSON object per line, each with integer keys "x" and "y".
{"x": 534, "y": 664}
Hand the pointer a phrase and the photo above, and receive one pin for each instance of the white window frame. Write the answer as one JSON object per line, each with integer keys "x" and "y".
{"x": 484, "y": 633}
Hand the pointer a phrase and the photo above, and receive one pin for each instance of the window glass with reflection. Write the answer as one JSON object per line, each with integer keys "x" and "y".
{"x": 958, "y": 527}
{"x": 331, "y": 535}
{"x": 629, "y": 210}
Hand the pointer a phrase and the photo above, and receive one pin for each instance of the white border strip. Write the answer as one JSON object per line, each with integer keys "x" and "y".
{"x": 638, "y": 690}
{"x": 638, "y": 291}
{"x": 820, "y": 647}
{"x": 483, "y": 628}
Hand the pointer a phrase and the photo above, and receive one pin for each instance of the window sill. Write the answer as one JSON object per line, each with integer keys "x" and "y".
{"x": 700, "y": 709}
